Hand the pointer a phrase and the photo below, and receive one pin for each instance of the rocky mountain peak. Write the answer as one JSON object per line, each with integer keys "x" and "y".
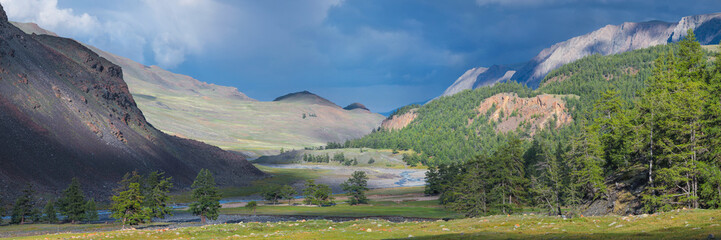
{"x": 610, "y": 39}
{"x": 3, "y": 16}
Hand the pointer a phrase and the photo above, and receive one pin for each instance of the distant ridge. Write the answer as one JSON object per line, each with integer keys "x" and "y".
{"x": 611, "y": 39}
{"x": 305, "y": 97}
{"x": 353, "y": 106}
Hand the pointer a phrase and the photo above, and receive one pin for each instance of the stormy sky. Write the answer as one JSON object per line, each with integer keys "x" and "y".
{"x": 383, "y": 53}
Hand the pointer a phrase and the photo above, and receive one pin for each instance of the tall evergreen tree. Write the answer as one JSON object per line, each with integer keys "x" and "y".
{"x": 50, "y": 212}
{"x": 585, "y": 162}
{"x": 614, "y": 130}
{"x": 157, "y": 187}
{"x": 288, "y": 192}
{"x": 24, "y": 206}
{"x": 470, "y": 194}
{"x": 549, "y": 186}
{"x": 508, "y": 178}
{"x": 91, "y": 210}
{"x": 205, "y": 196}
{"x": 72, "y": 202}
{"x": 127, "y": 206}
{"x": 356, "y": 186}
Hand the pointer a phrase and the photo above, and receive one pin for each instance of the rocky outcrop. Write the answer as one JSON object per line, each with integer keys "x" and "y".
{"x": 510, "y": 112}
{"x": 398, "y": 122}
{"x": 611, "y": 39}
{"x": 67, "y": 112}
{"x": 354, "y": 106}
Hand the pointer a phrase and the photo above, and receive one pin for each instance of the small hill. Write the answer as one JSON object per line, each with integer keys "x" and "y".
{"x": 354, "y": 106}
{"x": 305, "y": 97}
{"x": 66, "y": 112}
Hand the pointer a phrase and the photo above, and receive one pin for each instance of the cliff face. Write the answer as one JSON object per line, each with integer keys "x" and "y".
{"x": 511, "y": 112}
{"x": 66, "y": 112}
{"x": 398, "y": 122}
{"x": 611, "y": 39}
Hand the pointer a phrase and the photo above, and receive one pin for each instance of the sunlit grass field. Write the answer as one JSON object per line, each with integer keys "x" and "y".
{"x": 691, "y": 224}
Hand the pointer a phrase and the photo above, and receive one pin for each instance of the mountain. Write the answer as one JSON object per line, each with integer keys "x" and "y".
{"x": 222, "y": 116}
{"x": 305, "y": 97}
{"x": 356, "y": 105}
{"x": 611, "y": 39}
{"x": 478, "y": 77}
{"x": 66, "y": 112}
{"x": 462, "y": 126}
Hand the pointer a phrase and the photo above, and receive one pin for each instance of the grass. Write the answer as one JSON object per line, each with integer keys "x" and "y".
{"x": 693, "y": 224}
{"x": 417, "y": 209}
{"x": 396, "y": 191}
{"x": 279, "y": 176}
{"x": 234, "y": 124}
{"x": 384, "y": 158}
{"x": 35, "y": 229}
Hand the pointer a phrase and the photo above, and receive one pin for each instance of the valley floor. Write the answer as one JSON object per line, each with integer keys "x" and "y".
{"x": 686, "y": 224}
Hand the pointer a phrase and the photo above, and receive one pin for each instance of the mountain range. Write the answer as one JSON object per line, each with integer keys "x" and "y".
{"x": 611, "y": 39}
{"x": 223, "y": 116}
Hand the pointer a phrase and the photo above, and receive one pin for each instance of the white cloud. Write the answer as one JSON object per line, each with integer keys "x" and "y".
{"x": 47, "y": 14}
{"x": 171, "y": 29}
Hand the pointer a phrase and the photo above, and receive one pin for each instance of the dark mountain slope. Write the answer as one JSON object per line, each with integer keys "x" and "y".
{"x": 305, "y": 97}
{"x": 66, "y": 112}
{"x": 353, "y": 106}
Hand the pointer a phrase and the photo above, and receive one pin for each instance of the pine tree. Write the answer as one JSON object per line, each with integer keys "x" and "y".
{"x": 252, "y": 205}
{"x": 549, "y": 186}
{"x": 308, "y": 191}
{"x": 614, "y": 130}
{"x": 72, "y": 202}
{"x": 287, "y": 192}
{"x": 682, "y": 93}
{"x": 469, "y": 195}
{"x": 585, "y": 162}
{"x": 23, "y": 206}
{"x": 317, "y": 194}
{"x": 508, "y": 178}
{"x": 127, "y": 206}
{"x": 356, "y": 186}
{"x": 91, "y": 211}
{"x": 156, "y": 194}
{"x": 272, "y": 193}
{"x": 50, "y": 213}
{"x": 205, "y": 196}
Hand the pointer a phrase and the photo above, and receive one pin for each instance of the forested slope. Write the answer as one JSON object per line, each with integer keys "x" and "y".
{"x": 442, "y": 133}
{"x": 645, "y": 138}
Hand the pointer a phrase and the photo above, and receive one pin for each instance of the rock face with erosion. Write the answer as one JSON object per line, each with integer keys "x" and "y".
{"x": 66, "y": 112}
{"x": 511, "y": 112}
{"x": 398, "y": 122}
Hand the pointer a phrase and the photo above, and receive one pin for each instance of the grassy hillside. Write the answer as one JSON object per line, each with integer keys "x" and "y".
{"x": 223, "y": 116}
